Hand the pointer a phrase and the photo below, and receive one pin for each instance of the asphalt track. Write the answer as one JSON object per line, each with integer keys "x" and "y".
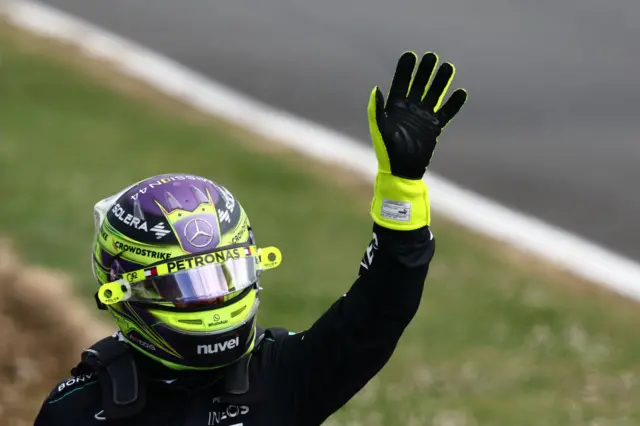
{"x": 552, "y": 126}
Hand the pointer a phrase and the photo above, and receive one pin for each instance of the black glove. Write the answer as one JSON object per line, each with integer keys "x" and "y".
{"x": 411, "y": 122}
{"x": 404, "y": 134}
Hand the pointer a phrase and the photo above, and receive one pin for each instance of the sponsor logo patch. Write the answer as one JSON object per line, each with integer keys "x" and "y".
{"x": 153, "y": 254}
{"x": 72, "y": 381}
{"x": 218, "y": 347}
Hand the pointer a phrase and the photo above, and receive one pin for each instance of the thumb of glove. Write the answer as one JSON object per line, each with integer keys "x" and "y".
{"x": 376, "y": 122}
{"x": 379, "y": 108}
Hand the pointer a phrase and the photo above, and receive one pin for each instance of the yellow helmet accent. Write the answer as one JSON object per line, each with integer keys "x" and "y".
{"x": 269, "y": 257}
{"x": 212, "y": 320}
{"x": 114, "y": 292}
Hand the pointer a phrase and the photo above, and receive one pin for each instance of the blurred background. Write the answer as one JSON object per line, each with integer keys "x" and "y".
{"x": 551, "y": 129}
{"x": 552, "y": 123}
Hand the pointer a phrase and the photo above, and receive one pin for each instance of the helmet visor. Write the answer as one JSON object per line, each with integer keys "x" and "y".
{"x": 196, "y": 278}
{"x": 202, "y": 283}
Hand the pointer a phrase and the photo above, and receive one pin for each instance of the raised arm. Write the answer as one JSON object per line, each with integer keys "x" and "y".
{"x": 327, "y": 364}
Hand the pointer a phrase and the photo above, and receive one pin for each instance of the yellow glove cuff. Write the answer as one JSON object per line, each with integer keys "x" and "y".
{"x": 400, "y": 204}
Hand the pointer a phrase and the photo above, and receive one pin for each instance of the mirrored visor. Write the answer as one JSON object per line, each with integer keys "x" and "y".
{"x": 208, "y": 277}
{"x": 202, "y": 283}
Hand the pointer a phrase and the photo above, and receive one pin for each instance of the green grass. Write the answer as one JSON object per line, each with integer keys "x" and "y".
{"x": 499, "y": 340}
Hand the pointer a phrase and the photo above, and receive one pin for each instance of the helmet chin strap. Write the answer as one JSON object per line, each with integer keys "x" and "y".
{"x": 123, "y": 389}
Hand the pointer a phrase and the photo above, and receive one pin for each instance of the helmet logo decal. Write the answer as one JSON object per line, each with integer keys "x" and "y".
{"x": 199, "y": 233}
{"x": 229, "y": 201}
{"x": 196, "y": 229}
{"x": 219, "y": 346}
{"x": 129, "y": 219}
{"x": 160, "y": 230}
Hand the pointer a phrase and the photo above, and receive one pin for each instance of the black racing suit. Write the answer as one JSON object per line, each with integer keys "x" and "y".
{"x": 295, "y": 379}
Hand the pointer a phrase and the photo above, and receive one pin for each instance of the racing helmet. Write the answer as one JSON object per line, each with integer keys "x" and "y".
{"x": 177, "y": 265}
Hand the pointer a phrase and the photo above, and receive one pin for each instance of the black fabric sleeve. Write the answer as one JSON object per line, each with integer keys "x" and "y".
{"x": 327, "y": 364}
{"x": 75, "y": 401}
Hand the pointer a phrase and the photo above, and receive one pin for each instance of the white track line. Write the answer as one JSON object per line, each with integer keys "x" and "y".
{"x": 574, "y": 254}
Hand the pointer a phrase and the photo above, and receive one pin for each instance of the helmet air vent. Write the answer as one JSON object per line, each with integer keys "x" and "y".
{"x": 200, "y": 197}
{"x": 137, "y": 210}
{"x": 172, "y": 202}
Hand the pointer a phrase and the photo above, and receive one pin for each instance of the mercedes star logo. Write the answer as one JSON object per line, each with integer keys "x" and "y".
{"x": 198, "y": 232}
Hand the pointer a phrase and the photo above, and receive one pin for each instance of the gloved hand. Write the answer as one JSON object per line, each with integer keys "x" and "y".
{"x": 404, "y": 135}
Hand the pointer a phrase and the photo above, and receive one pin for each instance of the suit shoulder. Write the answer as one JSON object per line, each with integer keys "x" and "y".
{"x": 271, "y": 342}
{"x": 277, "y": 333}
{"x": 81, "y": 384}
{"x": 71, "y": 401}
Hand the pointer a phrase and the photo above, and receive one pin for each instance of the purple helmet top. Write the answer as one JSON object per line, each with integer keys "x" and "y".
{"x": 183, "y": 209}
{"x": 172, "y": 191}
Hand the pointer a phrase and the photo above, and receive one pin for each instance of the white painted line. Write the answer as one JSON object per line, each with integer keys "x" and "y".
{"x": 575, "y": 254}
